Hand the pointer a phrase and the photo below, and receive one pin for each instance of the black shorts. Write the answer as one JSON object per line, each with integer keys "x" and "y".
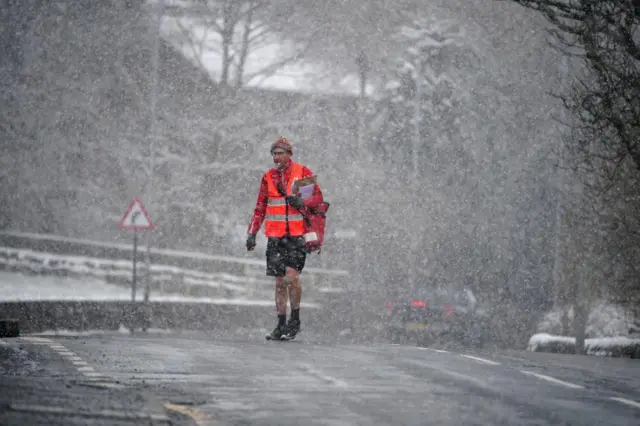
{"x": 285, "y": 252}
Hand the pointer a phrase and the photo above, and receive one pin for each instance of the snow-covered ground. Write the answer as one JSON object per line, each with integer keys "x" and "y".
{"x": 604, "y": 346}
{"x": 605, "y": 320}
{"x": 179, "y": 279}
{"x": 20, "y": 287}
{"x": 610, "y": 330}
{"x": 101, "y": 268}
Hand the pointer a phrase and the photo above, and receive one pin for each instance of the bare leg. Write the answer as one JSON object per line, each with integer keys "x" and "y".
{"x": 281, "y": 296}
{"x": 295, "y": 289}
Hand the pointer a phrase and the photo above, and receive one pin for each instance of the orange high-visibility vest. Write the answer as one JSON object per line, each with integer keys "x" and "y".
{"x": 280, "y": 215}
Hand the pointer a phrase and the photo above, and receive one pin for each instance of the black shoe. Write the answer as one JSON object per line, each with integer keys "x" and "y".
{"x": 277, "y": 333}
{"x": 292, "y": 328}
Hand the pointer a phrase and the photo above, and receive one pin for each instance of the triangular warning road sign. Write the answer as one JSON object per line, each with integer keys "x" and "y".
{"x": 136, "y": 217}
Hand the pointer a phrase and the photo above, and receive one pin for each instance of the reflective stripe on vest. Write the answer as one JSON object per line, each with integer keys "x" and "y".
{"x": 283, "y": 217}
{"x": 279, "y": 215}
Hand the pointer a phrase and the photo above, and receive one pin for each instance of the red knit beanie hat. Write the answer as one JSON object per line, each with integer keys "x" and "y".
{"x": 282, "y": 143}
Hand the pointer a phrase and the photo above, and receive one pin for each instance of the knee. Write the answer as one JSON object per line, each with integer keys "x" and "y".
{"x": 293, "y": 278}
{"x": 281, "y": 285}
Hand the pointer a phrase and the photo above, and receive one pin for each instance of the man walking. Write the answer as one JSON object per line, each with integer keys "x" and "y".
{"x": 284, "y": 228}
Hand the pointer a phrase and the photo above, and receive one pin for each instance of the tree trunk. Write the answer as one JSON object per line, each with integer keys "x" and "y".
{"x": 363, "y": 70}
{"x": 244, "y": 50}
{"x": 227, "y": 38}
{"x": 565, "y": 321}
{"x": 358, "y": 268}
{"x": 580, "y": 326}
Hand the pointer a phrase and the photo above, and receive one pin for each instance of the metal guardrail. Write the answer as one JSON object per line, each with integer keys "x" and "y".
{"x": 188, "y": 273}
{"x": 164, "y": 278}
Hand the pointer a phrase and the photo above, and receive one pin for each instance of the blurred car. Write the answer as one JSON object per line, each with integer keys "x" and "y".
{"x": 438, "y": 316}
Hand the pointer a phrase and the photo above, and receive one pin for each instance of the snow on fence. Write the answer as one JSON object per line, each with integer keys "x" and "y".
{"x": 187, "y": 272}
{"x": 165, "y": 278}
{"x": 618, "y": 346}
{"x": 28, "y": 240}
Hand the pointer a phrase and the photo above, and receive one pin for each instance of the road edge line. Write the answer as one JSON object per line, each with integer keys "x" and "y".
{"x": 626, "y": 401}
{"x": 552, "y": 379}
{"x": 483, "y": 360}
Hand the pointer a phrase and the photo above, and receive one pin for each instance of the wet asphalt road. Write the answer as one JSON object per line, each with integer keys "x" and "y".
{"x": 246, "y": 380}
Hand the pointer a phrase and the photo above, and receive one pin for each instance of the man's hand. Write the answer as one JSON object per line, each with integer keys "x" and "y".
{"x": 251, "y": 242}
{"x": 295, "y": 201}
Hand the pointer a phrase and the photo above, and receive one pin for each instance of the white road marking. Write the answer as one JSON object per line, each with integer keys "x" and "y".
{"x": 94, "y": 374}
{"x": 552, "y": 379}
{"x": 103, "y": 385}
{"x": 440, "y": 351}
{"x": 486, "y": 361}
{"x": 2, "y": 342}
{"x": 481, "y": 383}
{"x": 36, "y": 339}
{"x": 626, "y": 401}
{"x": 102, "y": 413}
{"x": 86, "y": 368}
{"x": 95, "y": 378}
{"x": 336, "y": 382}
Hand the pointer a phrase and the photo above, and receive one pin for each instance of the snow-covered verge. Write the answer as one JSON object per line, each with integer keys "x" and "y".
{"x": 605, "y": 320}
{"x": 611, "y": 331}
{"x": 165, "y": 278}
{"x": 185, "y": 269}
{"x": 619, "y": 346}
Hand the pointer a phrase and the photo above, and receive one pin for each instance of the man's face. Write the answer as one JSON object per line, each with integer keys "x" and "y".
{"x": 280, "y": 158}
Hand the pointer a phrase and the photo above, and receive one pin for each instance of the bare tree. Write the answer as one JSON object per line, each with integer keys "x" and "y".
{"x": 604, "y": 146}
{"x": 231, "y": 31}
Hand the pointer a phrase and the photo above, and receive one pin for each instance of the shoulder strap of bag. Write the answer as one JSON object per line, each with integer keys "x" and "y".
{"x": 282, "y": 192}
{"x": 278, "y": 183}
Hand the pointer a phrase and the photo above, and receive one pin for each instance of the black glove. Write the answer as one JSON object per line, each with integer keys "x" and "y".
{"x": 295, "y": 202}
{"x": 251, "y": 242}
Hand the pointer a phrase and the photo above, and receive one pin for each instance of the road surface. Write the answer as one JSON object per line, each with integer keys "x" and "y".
{"x": 204, "y": 380}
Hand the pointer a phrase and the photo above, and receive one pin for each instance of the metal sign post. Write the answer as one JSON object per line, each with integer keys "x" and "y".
{"x": 135, "y": 219}
{"x": 135, "y": 255}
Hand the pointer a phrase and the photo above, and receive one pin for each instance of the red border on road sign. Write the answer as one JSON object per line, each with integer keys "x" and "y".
{"x": 134, "y": 227}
